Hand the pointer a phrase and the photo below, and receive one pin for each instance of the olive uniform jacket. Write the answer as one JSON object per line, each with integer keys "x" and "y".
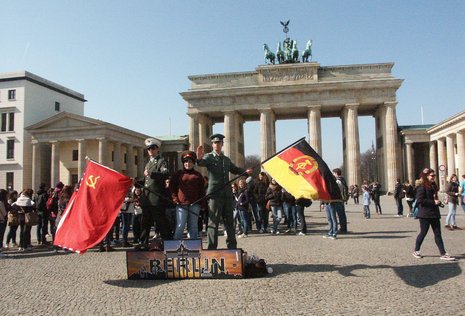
{"x": 155, "y": 182}
{"x": 219, "y": 167}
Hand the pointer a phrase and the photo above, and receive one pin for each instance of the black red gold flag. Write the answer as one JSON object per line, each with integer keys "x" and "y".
{"x": 303, "y": 173}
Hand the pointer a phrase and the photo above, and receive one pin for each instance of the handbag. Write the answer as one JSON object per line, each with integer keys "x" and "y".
{"x": 31, "y": 218}
{"x": 13, "y": 219}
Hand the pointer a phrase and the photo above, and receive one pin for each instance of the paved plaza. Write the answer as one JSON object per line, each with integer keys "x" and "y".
{"x": 368, "y": 271}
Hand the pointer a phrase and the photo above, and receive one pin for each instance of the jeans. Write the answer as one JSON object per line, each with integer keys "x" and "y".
{"x": 256, "y": 215}
{"x": 136, "y": 227}
{"x": 237, "y": 220}
{"x": 187, "y": 214}
{"x": 400, "y": 207}
{"x": 450, "y": 219}
{"x": 126, "y": 219}
{"x": 11, "y": 234}
{"x": 341, "y": 214}
{"x": 300, "y": 212}
{"x": 435, "y": 224}
{"x": 42, "y": 227}
{"x": 366, "y": 211}
{"x": 291, "y": 214}
{"x": 245, "y": 218}
{"x": 463, "y": 202}
{"x": 264, "y": 214}
{"x": 277, "y": 215}
{"x": 332, "y": 220}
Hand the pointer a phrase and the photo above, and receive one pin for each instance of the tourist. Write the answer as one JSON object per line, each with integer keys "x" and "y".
{"x": 355, "y": 194}
{"x": 236, "y": 213}
{"x": 340, "y": 207}
{"x": 242, "y": 205}
{"x": 409, "y": 196}
{"x": 376, "y": 196}
{"x": 274, "y": 198}
{"x": 23, "y": 205}
{"x": 170, "y": 206}
{"x": 137, "y": 218}
{"x": 13, "y": 224}
{"x": 220, "y": 204}
{"x": 41, "y": 204}
{"x": 260, "y": 192}
{"x": 127, "y": 212}
{"x": 452, "y": 191}
{"x": 251, "y": 183}
{"x": 462, "y": 190}
{"x": 399, "y": 194}
{"x": 428, "y": 213}
{"x": 187, "y": 193}
{"x": 3, "y": 216}
{"x": 366, "y": 201}
{"x": 52, "y": 206}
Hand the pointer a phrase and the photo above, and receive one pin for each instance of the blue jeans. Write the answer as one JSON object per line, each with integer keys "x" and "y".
{"x": 245, "y": 218}
{"x": 400, "y": 206}
{"x": 187, "y": 214}
{"x": 332, "y": 220}
{"x": 366, "y": 211}
{"x": 277, "y": 215}
{"x": 291, "y": 214}
{"x": 126, "y": 218}
{"x": 256, "y": 215}
{"x": 450, "y": 219}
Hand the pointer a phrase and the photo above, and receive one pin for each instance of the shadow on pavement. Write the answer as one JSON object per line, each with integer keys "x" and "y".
{"x": 418, "y": 276}
{"x": 139, "y": 284}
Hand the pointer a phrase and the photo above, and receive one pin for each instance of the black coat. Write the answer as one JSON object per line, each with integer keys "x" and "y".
{"x": 425, "y": 197}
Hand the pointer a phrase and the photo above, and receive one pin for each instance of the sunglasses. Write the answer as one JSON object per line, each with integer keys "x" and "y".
{"x": 152, "y": 147}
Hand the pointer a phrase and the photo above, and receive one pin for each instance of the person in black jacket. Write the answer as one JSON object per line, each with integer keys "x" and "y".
{"x": 428, "y": 214}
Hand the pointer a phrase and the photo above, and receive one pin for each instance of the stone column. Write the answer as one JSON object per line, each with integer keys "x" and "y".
{"x": 391, "y": 145}
{"x": 314, "y": 127}
{"x": 36, "y": 165}
{"x": 117, "y": 156}
{"x": 193, "y": 132}
{"x": 352, "y": 144}
{"x": 81, "y": 157}
{"x": 230, "y": 141}
{"x": 55, "y": 166}
{"x": 441, "y": 161}
{"x": 240, "y": 159}
{"x": 140, "y": 161}
{"x": 130, "y": 161}
{"x": 433, "y": 160}
{"x": 450, "y": 155}
{"x": 267, "y": 133}
{"x": 204, "y": 132}
{"x": 102, "y": 150}
{"x": 461, "y": 153}
{"x": 409, "y": 156}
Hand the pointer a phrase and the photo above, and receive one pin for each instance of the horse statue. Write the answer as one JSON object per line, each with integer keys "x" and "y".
{"x": 280, "y": 54}
{"x": 294, "y": 52}
{"x": 269, "y": 55}
{"x": 307, "y": 52}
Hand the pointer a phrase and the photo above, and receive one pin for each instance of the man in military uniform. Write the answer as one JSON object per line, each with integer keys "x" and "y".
{"x": 152, "y": 200}
{"x": 221, "y": 200}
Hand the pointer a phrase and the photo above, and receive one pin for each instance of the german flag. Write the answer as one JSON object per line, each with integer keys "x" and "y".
{"x": 302, "y": 172}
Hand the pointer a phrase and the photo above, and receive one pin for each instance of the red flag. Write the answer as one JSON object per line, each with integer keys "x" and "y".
{"x": 92, "y": 210}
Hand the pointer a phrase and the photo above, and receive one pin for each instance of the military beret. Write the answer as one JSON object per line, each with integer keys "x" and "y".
{"x": 150, "y": 142}
{"x": 217, "y": 138}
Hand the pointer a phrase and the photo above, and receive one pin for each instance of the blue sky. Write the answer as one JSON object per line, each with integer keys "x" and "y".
{"x": 131, "y": 58}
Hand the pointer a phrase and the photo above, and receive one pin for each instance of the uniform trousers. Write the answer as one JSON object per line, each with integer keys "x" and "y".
{"x": 221, "y": 207}
{"x": 152, "y": 214}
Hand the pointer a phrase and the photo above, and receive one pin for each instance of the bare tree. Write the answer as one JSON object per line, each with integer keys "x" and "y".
{"x": 253, "y": 161}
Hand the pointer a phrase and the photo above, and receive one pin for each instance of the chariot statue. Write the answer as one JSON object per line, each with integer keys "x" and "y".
{"x": 269, "y": 55}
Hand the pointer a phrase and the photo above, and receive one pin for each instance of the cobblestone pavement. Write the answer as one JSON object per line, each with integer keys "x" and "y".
{"x": 368, "y": 271}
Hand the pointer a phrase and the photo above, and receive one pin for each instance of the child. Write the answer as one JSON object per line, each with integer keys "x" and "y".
{"x": 366, "y": 202}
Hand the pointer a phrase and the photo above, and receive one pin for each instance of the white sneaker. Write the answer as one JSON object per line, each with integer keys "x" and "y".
{"x": 225, "y": 233}
{"x": 446, "y": 257}
{"x": 417, "y": 254}
{"x": 301, "y": 234}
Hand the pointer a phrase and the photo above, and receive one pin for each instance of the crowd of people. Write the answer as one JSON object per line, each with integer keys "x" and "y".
{"x": 189, "y": 205}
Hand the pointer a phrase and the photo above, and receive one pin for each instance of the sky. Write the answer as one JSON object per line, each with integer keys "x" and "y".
{"x": 131, "y": 59}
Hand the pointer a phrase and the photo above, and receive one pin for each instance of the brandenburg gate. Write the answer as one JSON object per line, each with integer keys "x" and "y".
{"x": 300, "y": 91}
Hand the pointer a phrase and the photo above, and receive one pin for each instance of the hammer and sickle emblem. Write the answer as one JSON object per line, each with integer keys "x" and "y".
{"x": 303, "y": 165}
{"x": 91, "y": 181}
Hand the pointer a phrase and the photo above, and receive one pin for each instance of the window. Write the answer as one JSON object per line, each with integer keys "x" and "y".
{"x": 57, "y": 106}
{"x": 75, "y": 155}
{"x": 11, "y": 94}
{"x": 11, "y": 123}
{"x": 10, "y": 149}
{"x": 125, "y": 158}
{"x": 10, "y": 176}
{"x": 7, "y": 119}
{"x": 3, "y": 124}
{"x": 136, "y": 160}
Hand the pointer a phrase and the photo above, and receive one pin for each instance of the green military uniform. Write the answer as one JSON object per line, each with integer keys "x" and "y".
{"x": 221, "y": 200}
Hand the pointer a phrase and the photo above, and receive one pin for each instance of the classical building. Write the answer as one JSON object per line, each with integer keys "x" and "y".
{"x": 296, "y": 91}
{"x": 440, "y": 146}
{"x": 46, "y": 138}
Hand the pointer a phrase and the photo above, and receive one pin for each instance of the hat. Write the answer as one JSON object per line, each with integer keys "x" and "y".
{"x": 150, "y": 142}
{"x": 217, "y": 138}
{"x": 188, "y": 155}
